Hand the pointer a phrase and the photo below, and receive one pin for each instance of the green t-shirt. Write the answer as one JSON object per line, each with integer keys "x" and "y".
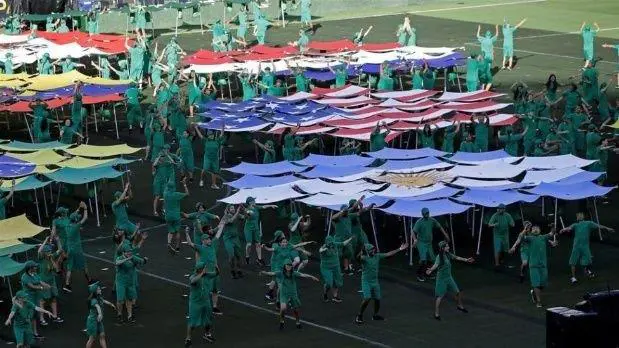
{"x": 330, "y": 257}
{"x": 370, "y": 266}
{"x": 503, "y": 222}
{"x": 424, "y": 228}
{"x": 582, "y": 232}
{"x": 172, "y": 204}
{"x": 120, "y": 212}
{"x": 23, "y": 316}
{"x": 511, "y": 143}
{"x": 444, "y": 269}
{"x": 377, "y": 141}
{"x": 537, "y": 249}
{"x": 343, "y": 228}
{"x": 252, "y": 222}
{"x": 74, "y": 239}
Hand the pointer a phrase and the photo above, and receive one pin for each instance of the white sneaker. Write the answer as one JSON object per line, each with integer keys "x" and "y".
{"x": 201, "y": 183}
{"x": 573, "y": 280}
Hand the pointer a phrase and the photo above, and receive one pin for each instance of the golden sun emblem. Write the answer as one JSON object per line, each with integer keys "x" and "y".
{"x": 415, "y": 180}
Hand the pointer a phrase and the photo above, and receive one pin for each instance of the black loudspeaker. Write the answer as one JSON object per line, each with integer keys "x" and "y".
{"x": 571, "y": 328}
{"x": 606, "y": 305}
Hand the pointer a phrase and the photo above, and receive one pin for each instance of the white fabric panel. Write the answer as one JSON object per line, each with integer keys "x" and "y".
{"x": 394, "y": 191}
{"x": 323, "y": 199}
{"x": 264, "y": 195}
{"x": 298, "y": 96}
{"x": 420, "y": 169}
{"x": 349, "y": 188}
{"x": 555, "y": 162}
{"x": 538, "y": 176}
{"x": 496, "y": 170}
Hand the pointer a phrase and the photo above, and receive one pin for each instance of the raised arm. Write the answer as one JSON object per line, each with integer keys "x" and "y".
{"x": 521, "y": 23}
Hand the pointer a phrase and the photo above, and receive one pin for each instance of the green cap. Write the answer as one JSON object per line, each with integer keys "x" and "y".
{"x": 30, "y": 264}
{"x": 343, "y": 207}
{"x": 92, "y": 288}
{"x": 501, "y": 206}
{"x": 117, "y": 194}
{"x": 352, "y": 202}
{"x": 442, "y": 244}
{"x": 62, "y": 210}
{"x": 205, "y": 236}
{"x": 425, "y": 211}
{"x": 369, "y": 247}
{"x": 250, "y": 200}
{"x": 288, "y": 262}
{"x": 46, "y": 248}
{"x": 329, "y": 240}
{"x": 21, "y": 294}
{"x": 75, "y": 217}
{"x": 278, "y": 234}
{"x": 294, "y": 216}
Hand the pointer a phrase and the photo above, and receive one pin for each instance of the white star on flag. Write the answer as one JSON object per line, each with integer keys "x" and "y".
{"x": 241, "y": 120}
{"x": 271, "y": 105}
{"x": 301, "y": 107}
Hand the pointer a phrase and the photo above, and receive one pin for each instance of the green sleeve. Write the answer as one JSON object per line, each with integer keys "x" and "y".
{"x": 382, "y": 255}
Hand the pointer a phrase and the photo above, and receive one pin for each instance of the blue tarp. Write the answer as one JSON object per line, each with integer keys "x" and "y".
{"x": 580, "y": 177}
{"x": 403, "y": 207}
{"x": 488, "y": 185}
{"x": 333, "y": 172}
{"x": 576, "y": 191}
{"x": 468, "y": 157}
{"x": 276, "y": 168}
{"x": 16, "y": 249}
{"x": 483, "y": 198}
{"x": 445, "y": 192}
{"x": 403, "y": 154}
{"x": 11, "y": 167}
{"x": 340, "y": 161}
{"x": 239, "y": 124}
{"x": 253, "y": 181}
{"x": 9, "y": 267}
{"x": 410, "y": 164}
{"x": 75, "y": 176}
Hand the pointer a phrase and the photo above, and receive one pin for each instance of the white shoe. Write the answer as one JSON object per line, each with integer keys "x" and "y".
{"x": 201, "y": 183}
{"x": 573, "y": 280}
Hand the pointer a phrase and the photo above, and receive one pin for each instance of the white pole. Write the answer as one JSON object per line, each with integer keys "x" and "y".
{"x": 36, "y": 202}
{"x": 556, "y": 209}
{"x": 283, "y": 19}
{"x": 408, "y": 239}
{"x": 473, "y": 223}
{"x": 451, "y": 229}
{"x": 329, "y": 216}
{"x": 96, "y": 203}
{"x": 481, "y": 224}
{"x": 45, "y": 201}
{"x": 374, "y": 230}
{"x": 28, "y": 126}
{"x": 597, "y": 217}
{"x": 115, "y": 121}
{"x": 521, "y": 213}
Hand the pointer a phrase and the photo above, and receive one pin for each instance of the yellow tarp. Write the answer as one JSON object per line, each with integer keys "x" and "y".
{"x": 48, "y": 82}
{"x": 40, "y": 158}
{"x": 102, "y": 151}
{"x": 18, "y": 227}
{"x": 7, "y": 184}
{"x": 13, "y": 80}
{"x": 82, "y": 162}
{"x": 9, "y": 77}
{"x": 13, "y": 84}
{"x": 9, "y": 243}
{"x": 615, "y": 125}
{"x": 43, "y": 170}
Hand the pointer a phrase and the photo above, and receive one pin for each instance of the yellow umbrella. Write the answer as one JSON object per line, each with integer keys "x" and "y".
{"x": 82, "y": 162}
{"x": 18, "y": 227}
{"x": 615, "y": 125}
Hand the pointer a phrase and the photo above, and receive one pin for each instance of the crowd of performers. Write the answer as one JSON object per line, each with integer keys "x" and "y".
{"x": 565, "y": 118}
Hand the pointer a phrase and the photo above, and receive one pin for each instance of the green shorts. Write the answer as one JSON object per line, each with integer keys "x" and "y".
{"x": 252, "y": 235}
{"x": 23, "y": 336}
{"x": 159, "y": 185}
{"x": 125, "y": 292}
{"x": 52, "y": 292}
{"x": 187, "y": 163}
{"x": 508, "y": 51}
{"x": 233, "y": 248}
{"x": 128, "y": 227}
{"x": 291, "y": 299}
{"x": 524, "y": 256}
{"x": 210, "y": 165}
{"x": 331, "y": 276}
{"x": 370, "y": 290}
{"x": 93, "y": 327}
{"x": 501, "y": 244}
{"x": 345, "y": 251}
{"x": 426, "y": 253}
{"x": 443, "y": 285}
{"x": 538, "y": 276}
{"x": 199, "y": 314}
{"x": 173, "y": 226}
{"x": 580, "y": 253}
{"x": 472, "y": 86}
{"x": 75, "y": 260}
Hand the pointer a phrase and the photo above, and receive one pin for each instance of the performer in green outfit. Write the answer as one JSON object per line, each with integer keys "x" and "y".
{"x": 487, "y": 42}
{"x": 297, "y": 227}
{"x": 21, "y": 316}
{"x": 500, "y": 222}
{"x": 172, "y": 206}
{"x": 449, "y": 136}
{"x": 270, "y": 156}
{"x": 126, "y": 287}
{"x": 185, "y": 152}
{"x": 385, "y": 82}
{"x": 201, "y": 218}
{"x": 75, "y": 254}
{"x": 94, "y": 322}
{"x": 508, "y": 43}
{"x": 34, "y": 287}
{"x": 472, "y": 72}
{"x": 377, "y": 138}
{"x": 343, "y": 231}
{"x": 92, "y": 23}
{"x": 253, "y": 228}
{"x": 200, "y": 307}
{"x": 4, "y": 199}
{"x": 288, "y": 293}
{"x": 356, "y": 209}
{"x": 212, "y": 154}
{"x": 511, "y": 140}
{"x": 538, "y": 265}
{"x": 444, "y": 279}
{"x": 581, "y": 250}
{"x": 229, "y": 225}
{"x": 341, "y": 74}
{"x": 370, "y": 262}
{"x": 119, "y": 208}
{"x": 330, "y": 268}
{"x": 421, "y": 236}
{"x": 588, "y": 41}
{"x": 163, "y": 172}
{"x": 48, "y": 267}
